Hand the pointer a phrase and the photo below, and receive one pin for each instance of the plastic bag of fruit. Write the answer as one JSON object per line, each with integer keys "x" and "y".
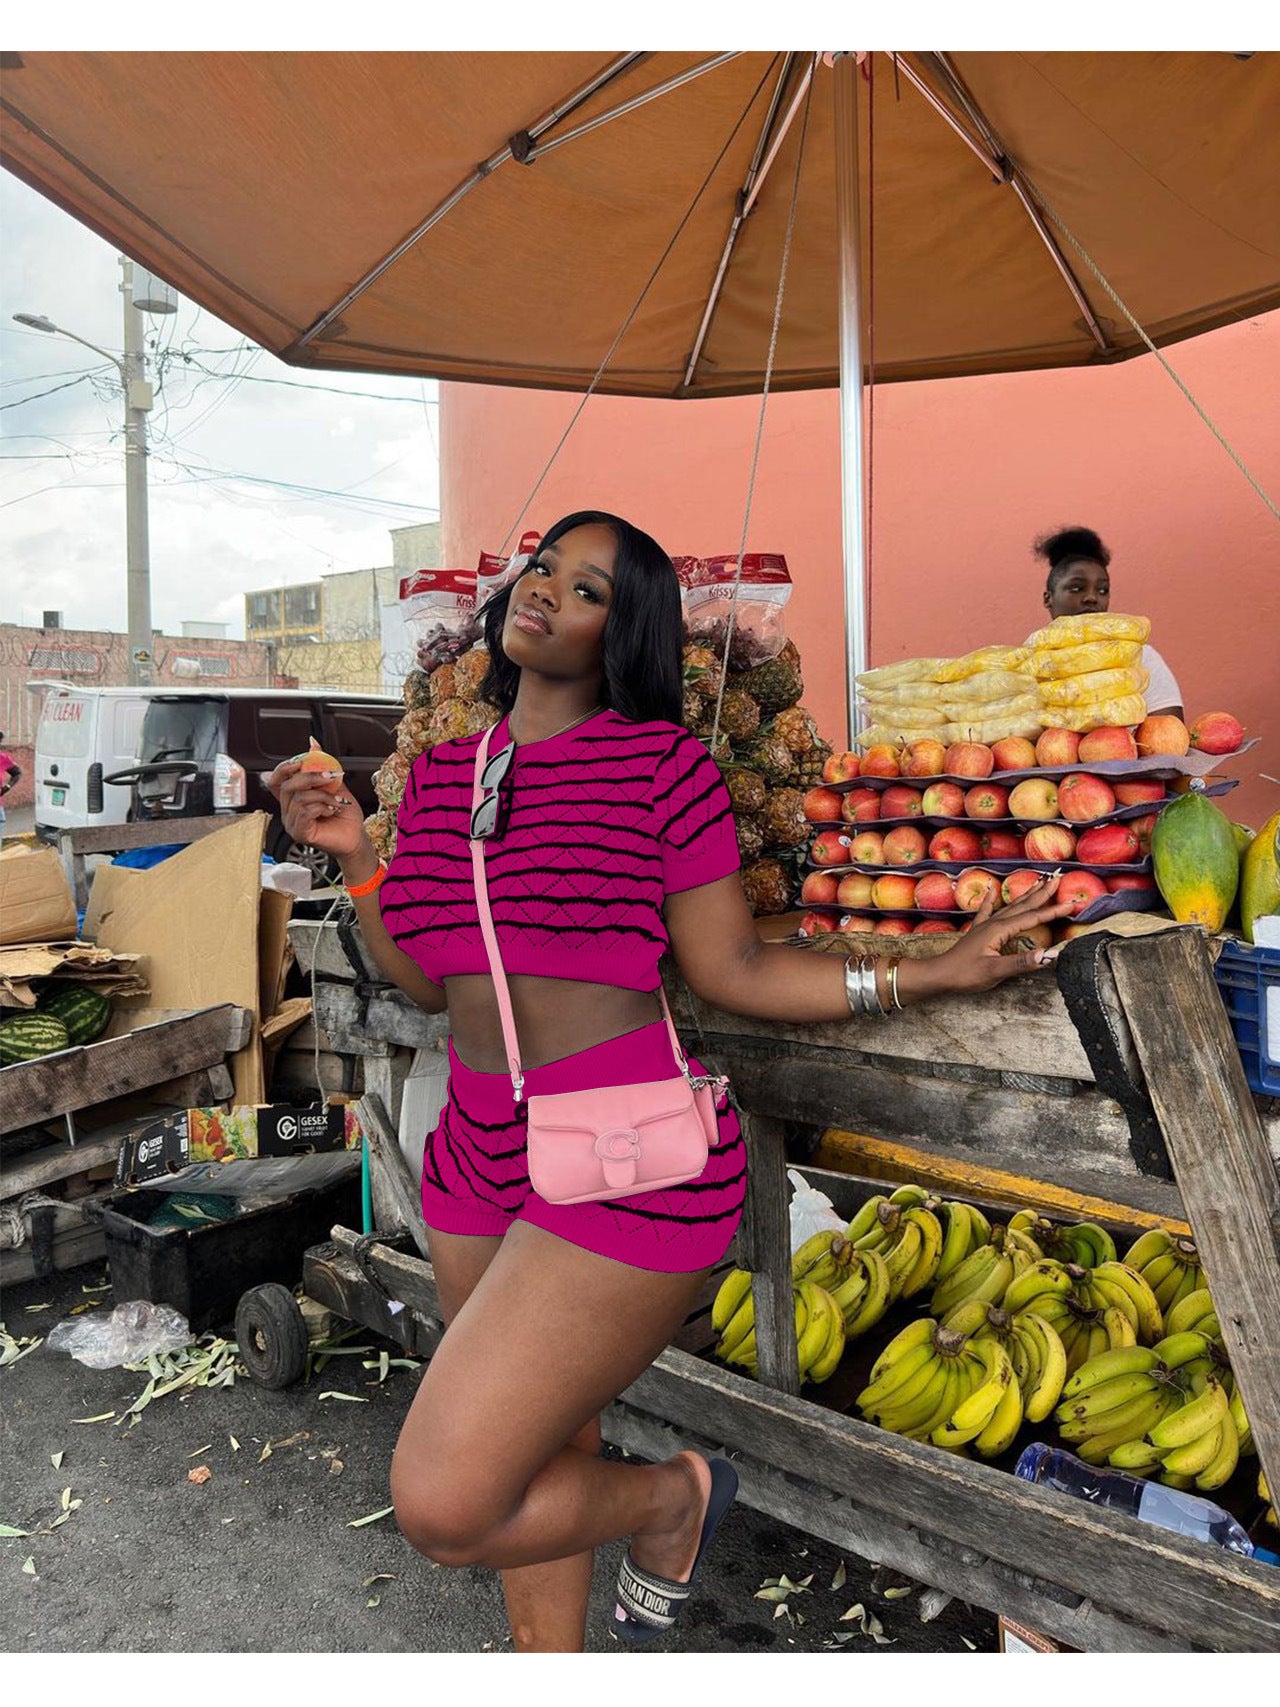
{"x": 439, "y": 610}
{"x": 493, "y": 573}
{"x": 759, "y": 621}
{"x": 1099, "y": 714}
{"x": 1052, "y": 662}
{"x": 1095, "y": 685}
{"x": 1090, "y": 626}
{"x": 812, "y": 1211}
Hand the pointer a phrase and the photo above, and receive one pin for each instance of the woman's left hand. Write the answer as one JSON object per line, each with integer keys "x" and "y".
{"x": 977, "y": 961}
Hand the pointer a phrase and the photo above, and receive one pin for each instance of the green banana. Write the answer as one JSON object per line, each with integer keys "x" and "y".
{"x": 1124, "y": 1360}
{"x": 1192, "y": 1419}
{"x": 733, "y": 1289}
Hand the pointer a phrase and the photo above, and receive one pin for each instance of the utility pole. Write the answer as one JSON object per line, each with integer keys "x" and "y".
{"x": 138, "y": 398}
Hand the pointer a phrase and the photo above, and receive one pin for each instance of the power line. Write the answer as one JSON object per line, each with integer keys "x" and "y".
{"x": 19, "y": 401}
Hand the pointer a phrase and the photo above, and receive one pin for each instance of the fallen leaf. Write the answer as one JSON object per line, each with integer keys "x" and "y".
{"x": 373, "y": 1600}
{"x": 840, "y": 1577}
{"x": 265, "y": 1453}
{"x": 235, "y": 1444}
{"x": 66, "y": 1499}
{"x": 335, "y": 1466}
{"x": 873, "y": 1626}
{"x": 972, "y": 1646}
{"x": 29, "y": 1568}
{"x": 208, "y": 1445}
{"x": 200, "y": 1475}
{"x": 804, "y": 1582}
{"x": 291, "y": 1439}
{"x": 771, "y": 1591}
{"x": 105, "y": 1417}
{"x": 378, "y": 1577}
{"x": 33, "y": 1308}
{"x": 371, "y": 1517}
{"x": 898, "y": 1593}
{"x": 857, "y": 1611}
{"x": 781, "y": 1611}
{"x": 55, "y": 1458}
{"x": 350, "y": 1398}
{"x": 105, "y": 1287}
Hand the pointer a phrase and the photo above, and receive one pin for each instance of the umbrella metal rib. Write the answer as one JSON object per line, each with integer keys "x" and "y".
{"x": 630, "y": 106}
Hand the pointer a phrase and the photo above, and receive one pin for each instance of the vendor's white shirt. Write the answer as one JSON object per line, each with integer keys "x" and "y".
{"x": 1162, "y": 689}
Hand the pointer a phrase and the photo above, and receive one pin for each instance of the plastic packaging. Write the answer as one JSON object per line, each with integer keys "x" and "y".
{"x": 1053, "y": 662}
{"x": 812, "y": 1211}
{"x": 1152, "y": 1502}
{"x": 983, "y": 659}
{"x": 759, "y": 625}
{"x": 493, "y": 573}
{"x": 1089, "y": 626}
{"x": 131, "y": 1332}
{"x": 439, "y": 610}
{"x": 1094, "y": 685}
{"x": 1127, "y": 712}
{"x": 288, "y": 879}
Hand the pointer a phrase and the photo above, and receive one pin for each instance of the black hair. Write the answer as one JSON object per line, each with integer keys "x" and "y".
{"x": 1069, "y": 546}
{"x": 643, "y": 631}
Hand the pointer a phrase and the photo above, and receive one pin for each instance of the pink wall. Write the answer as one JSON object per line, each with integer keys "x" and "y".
{"x": 966, "y": 472}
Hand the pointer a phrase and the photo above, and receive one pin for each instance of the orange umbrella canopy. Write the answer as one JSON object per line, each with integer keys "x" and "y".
{"x": 495, "y": 216}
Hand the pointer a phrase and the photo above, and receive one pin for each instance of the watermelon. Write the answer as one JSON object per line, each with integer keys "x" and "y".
{"x": 26, "y": 1037}
{"x": 83, "y": 1011}
{"x": 1197, "y": 868}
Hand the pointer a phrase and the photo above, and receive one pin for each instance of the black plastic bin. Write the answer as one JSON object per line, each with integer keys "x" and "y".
{"x": 202, "y": 1270}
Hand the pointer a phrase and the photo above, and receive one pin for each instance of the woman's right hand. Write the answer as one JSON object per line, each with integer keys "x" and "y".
{"x": 318, "y": 818}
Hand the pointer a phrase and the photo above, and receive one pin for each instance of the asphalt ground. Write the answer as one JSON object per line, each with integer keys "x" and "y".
{"x": 261, "y": 1557}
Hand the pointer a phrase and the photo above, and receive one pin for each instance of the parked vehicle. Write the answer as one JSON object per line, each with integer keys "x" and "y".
{"x": 84, "y": 735}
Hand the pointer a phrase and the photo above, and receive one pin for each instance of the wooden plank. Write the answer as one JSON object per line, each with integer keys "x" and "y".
{"x": 75, "y": 1240}
{"x": 335, "y": 1280}
{"x": 148, "y": 833}
{"x": 57, "y": 1162}
{"x": 409, "y": 1279}
{"x": 1219, "y": 1153}
{"x": 387, "y": 1160}
{"x": 390, "y": 1017}
{"x": 764, "y": 1244}
{"x": 35, "y": 1091}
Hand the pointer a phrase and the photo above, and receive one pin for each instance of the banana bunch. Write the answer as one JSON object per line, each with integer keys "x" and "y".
{"x": 857, "y": 1280}
{"x": 1170, "y": 1266}
{"x": 907, "y": 1235}
{"x": 1264, "y": 1493}
{"x": 1037, "y": 1353}
{"x": 964, "y": 1230}
{"x": 823, "y": 1258}
{"x": 983, "y": 1277}
{"x": 1093, "y": 1310}
{"x": 917, "y": 1380}
{"x": 820, "y": 1329}
{"x": 1017, "y": 1244}
{"x": 1084, "y": 1242}
{"x": 1194, "y": 1311}
{"x": 1111, "y": 1401}
{"x": 989, "y": 1415}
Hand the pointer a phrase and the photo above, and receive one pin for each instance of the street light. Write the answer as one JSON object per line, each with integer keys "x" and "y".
{"x": 138, "y": 399}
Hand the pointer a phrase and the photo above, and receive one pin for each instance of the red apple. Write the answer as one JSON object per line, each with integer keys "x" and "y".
{"x": 867, "y": 848}
{"x": 936, "y": 893}
{"x": 816, "y": 924}
{"x": 1082, "y": 798}
{"x": 841, "y": 767}
{"x": 1216, "y": 732}
{"x": 905, "y": 846}
{"x": 830, "y": 847}
{"x": 1029, "y": 937}
{"x": 955, "y": 843}
{"x": 1057, "y": 747}
{"x": 860, "y": 806}
{"x": 819, "y": 886}
{"x": 1080, "y": 888}
{"x": 969, "y": 758}
{"x": 1137, "y": 793}
{"x": 1108, "y": 844}
{"x": 1049, "y": 842}
{"x": 894, "y": 892}
{"x": 1162, "y": 734}
{"x": 933, "y": 927}
{"x": 1036, "y": 799}
{"x": 900, "y": 802}
{"x": 1128, "y": 880}
{"x": 854, "y": 890}
{"x": 987, "y": 800}
{"x": 854, "y": 923}
{"x": 1068, "y": 933}
{"x": 1014, "y": 753}
{"x": 1018, "y": 883}
{"x": 972, "y": 887}
{"x": 1000, "y": 844}
{"x": 893, "y": 927}
{"x": 1142, "y": 828}
{"x": 881, "y": 760}
{"x": 1109, "y": 742}
{"x": 924, "y": 758}
{"x": 822, "y": 806}
{"x": 943, "y": 800}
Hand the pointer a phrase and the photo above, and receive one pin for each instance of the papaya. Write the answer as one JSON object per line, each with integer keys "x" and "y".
{"x": 1197, "y": 868}
{"x": 1260, "y": 876}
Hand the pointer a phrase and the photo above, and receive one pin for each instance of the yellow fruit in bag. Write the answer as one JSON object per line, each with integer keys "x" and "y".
{"x": 900, "y": 713}
{"x": 894, "y": 675}
{"x": 987, "y": 687}
{"x": 985, "y": 658}
{"x": 890, "y": 734}
{"x": 1051, "y": 662}
{"x": 1091, "y": 625}
{"x": 1025, "y": 704}
{"x": 1098, "y": 714}
{"x": 1097, "y": 684}
{"x": 989, "y": 729}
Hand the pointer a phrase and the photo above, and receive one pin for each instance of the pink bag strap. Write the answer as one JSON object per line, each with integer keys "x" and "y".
{"x": 500, "y": 987}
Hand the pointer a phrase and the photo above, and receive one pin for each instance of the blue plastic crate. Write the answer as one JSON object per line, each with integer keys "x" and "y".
{"x": 1244, "y": 974}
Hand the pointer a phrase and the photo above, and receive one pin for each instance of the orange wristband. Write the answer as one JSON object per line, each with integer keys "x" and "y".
{"x": 359, "y": 890}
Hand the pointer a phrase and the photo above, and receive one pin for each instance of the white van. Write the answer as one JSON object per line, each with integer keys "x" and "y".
{"x": 84, "y": 735}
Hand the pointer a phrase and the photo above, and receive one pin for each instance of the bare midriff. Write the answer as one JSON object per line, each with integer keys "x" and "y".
{"x": 555, "y": 1017}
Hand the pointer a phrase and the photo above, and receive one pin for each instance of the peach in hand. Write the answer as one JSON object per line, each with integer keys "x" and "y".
{"x": 323, "y": 769}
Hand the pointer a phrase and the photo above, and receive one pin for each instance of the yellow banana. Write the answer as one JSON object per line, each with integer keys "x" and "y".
{"x": 1119, "y": 1277}
{"x": 865, "y": 1219}
{"x": 1197, "y": 1455}
{"x": 1192, "y": 1419}
{"x": 824, "y": 1365}
{"x": 953, "y": 1390}
{"x": 1194, "y": 1312}
{"x": 1046, "y": 1384}
{"x": 967, "y": 1318}
{"x": 973, "y": 1414}
{"x": 1222, "y": 1466}
{"x": 920, "y": 1332}
{"x": 1244, "y": 1434}
{"x": 733, "y": 1289}
{"x": 902, "y": 1256}
{"x": 877, "y": 1297}
{"x": 1035, "y": 1284}
{"x": 1153, "y": 1243}
{"x": 960, "y": 1237}
{"x": 984, "y": 1275}
{"x": 1138, "y": 1457}
{"x": 905, "y": 1413}
{"x": 1118, "y": 1328}
{"x": 1124, "y": 1360}
{"x": 811, "y": 1339}
{"x": 911, "y": 1196}
{"x": 1128, "y": 1421}
{"x": 1005, "y": 1422}
{"x": 738, "y": 1327}
{"x": 925, "y": 1266}
{"x": 744, "y": 1353}
{"x": 902, "y": 1385}
{"x": 1107, "y": 1396}
{"x": 1177, "y": 1350}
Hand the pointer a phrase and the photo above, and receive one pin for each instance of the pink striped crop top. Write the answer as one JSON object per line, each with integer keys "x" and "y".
{"x": 606, "y": 821}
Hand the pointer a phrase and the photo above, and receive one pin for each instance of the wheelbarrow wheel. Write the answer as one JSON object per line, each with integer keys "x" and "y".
{"x": 271, "y": 1335}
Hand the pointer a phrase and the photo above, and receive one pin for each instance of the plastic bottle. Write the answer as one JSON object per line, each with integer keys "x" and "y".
{"x": 1167, "y": 1508}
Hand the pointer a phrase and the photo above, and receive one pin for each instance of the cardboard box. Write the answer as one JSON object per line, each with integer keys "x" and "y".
{"x": 1021, "y": 1639}
{"x": 36, "y": 903}
{"x": 174, "y": 1141}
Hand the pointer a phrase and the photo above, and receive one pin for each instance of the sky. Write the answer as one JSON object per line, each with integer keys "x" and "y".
{"x": 234, "y": 435}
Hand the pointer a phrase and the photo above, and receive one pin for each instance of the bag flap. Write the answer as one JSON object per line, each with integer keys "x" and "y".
{"x": 616, "y": 1107}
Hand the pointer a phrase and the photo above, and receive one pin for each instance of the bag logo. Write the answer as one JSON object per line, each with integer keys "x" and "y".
{"x": 622, "y": 1144}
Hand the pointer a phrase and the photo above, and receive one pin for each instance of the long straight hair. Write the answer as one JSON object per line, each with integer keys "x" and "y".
{"x": 643, "y": 632}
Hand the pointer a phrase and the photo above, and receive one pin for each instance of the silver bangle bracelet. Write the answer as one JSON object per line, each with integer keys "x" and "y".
{"x": 874, "y": 1004}
{"x": 893, "y": 983}
{"x": 853, "y": 987}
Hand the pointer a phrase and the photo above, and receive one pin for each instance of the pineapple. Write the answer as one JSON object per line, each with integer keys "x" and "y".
{"x": 739, "y": 715}
{"x": 698, "y": 713}
{"x": 750, "y": 839}
{"x": 469, "y": 672}
{"x": 414, "y": 734}
{"x": 417, "y": 690}
{"x": 772, "y": 758}
{"x": 389, "y": 782}
{"x": 381, "y": 826}
{"x": 797, "y": 729}
{"x": 777, "y": 685}
{"x": 442, "y": 686}
{"x": 783, "y": 821}
{"x": 702, "y": 671}
{"x": 767, "y": 887}
{"x": 746, "y": 790}
{"x": 809, "y": 766}
{"x": 451, "y": 721}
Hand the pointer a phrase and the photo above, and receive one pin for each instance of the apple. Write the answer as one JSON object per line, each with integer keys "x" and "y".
{"x": 1036, "y": 799}
{"x": 830, "y": 847}
{"x": 860, "y": 806}
{"x": 969, "y": 758}
{"x": 1014, "y": 753}
{"x": 987, "y": 800}
{"x": 943, "y": 800}
{"x": 1049, "y": 842}
{"x": 853, "y": 923}
{"x": 816, "y": 924}
{"x": 972, "y": 888}
{"x": 905, "y": 846}
{"x": 933, "y": 927}
{"x": 1000, "y": 844}
{"x": 1018, "y": 883}
{"x": 936, "y": 893}
{"x": 893, "y": 927}
{"x": 1162, "y": 734}
{"x": 1108, "y": 844}
{"x": 925, "y": 757}
{"x": 1029, "y": 937}
{"x": 894, "y": 891}
{"x": 841, "y": 767}
{"x": 1128, "y": 880}
{"x": 881, "y": 760}
{"x": 819, "y": 886}
{"x": 1082, "y": 798}
{"x": 1109, "y": 742}
{"x": 1057, "y": 747}
{"x": 955, "y": 843}
{"x": 900, "y": 802}
{"x": 1142, "y": 828}
{"x": 1216, "y": 732}
{"x": 867, "y": 848}
{"x": 1137, "y": 793}
{"x": 822, "y": 806}
{"x": 854, "y": 890}
{"x": 1080, "y": 888}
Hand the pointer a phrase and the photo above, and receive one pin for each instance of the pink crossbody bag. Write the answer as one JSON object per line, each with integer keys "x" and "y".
{"x": 584, "y": 1146}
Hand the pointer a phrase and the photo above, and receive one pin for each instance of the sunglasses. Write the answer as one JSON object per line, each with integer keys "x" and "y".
{"x": 492, "y": 810}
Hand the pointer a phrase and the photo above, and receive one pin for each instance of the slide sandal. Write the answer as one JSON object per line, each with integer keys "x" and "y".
{"x": 648, "y": 1605}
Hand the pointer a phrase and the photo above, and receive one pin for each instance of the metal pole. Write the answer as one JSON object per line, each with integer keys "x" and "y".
{"x": 137, "y": 401}
{"x": 853, "y": 482}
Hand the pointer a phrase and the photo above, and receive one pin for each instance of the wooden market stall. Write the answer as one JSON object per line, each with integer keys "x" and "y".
{"x": 988, "y": 1090}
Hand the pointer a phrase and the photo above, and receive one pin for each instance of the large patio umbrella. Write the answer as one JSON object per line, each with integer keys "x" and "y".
{"x": 496, "y": 216}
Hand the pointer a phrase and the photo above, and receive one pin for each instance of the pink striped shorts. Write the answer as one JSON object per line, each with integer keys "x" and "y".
{"x": 475, "y": 1177}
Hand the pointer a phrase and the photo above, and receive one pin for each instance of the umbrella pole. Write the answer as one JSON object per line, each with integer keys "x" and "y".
{"x": 852, "y": 469}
